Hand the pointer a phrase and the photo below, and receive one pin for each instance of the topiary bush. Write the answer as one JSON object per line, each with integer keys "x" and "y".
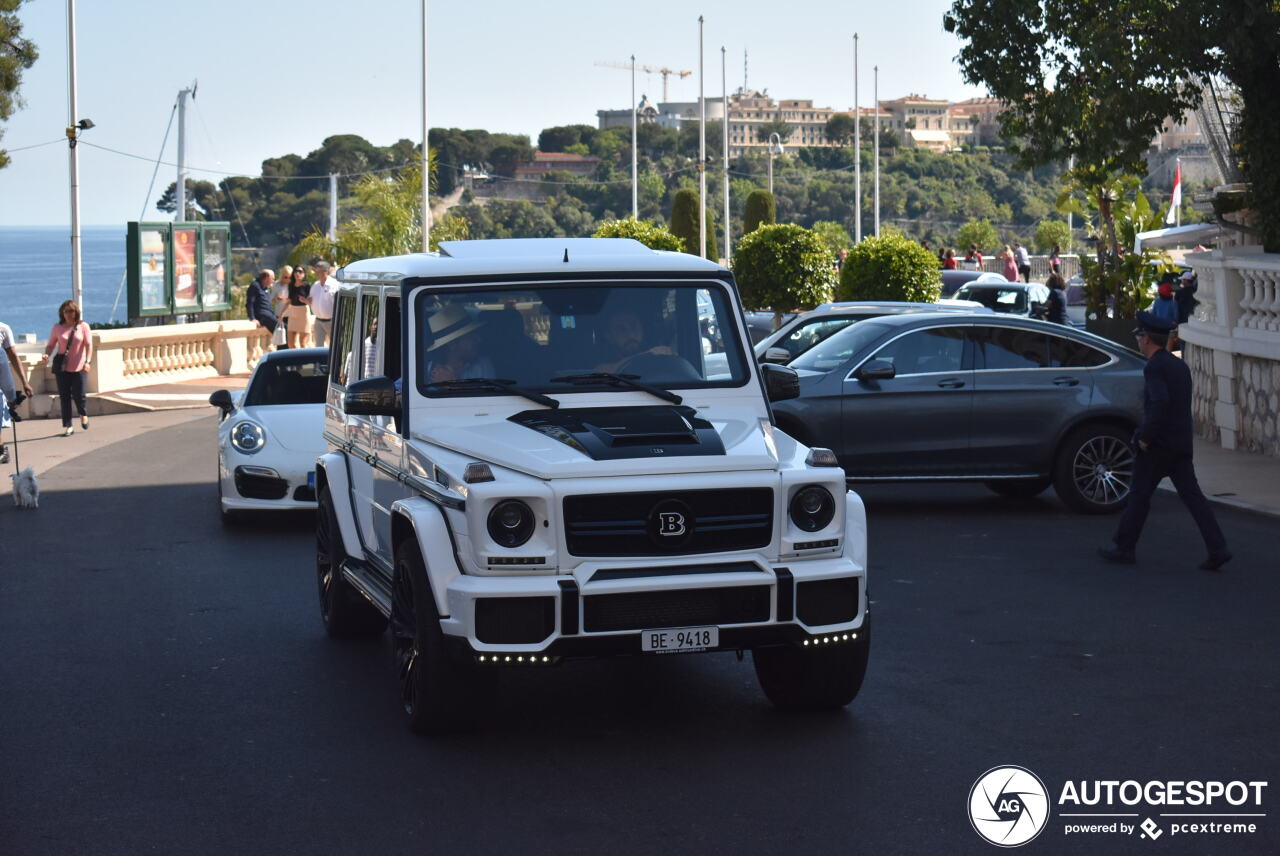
{"x": 653, "y": 235}
{"x": 783, "y": 267}
{"x": 761, "y": 210}
{"x": 684, "y": 219}
{"x": 891, "y": 267}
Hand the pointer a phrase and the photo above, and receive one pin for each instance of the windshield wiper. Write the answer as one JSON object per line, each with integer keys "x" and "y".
{"x": 499, "y": 384}
{"x": 613, "y": 379}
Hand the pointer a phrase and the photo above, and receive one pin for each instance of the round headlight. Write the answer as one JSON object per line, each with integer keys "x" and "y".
{"x": 812, "y": 508}
{"x": 511, "y": 523}
{"x": 248, "y": 437}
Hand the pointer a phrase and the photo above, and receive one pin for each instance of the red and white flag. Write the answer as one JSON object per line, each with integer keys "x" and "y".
{"x": 1176, "y": 203}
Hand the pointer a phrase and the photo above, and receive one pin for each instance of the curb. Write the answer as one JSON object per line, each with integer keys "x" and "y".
{"x": 1237, "y": 504}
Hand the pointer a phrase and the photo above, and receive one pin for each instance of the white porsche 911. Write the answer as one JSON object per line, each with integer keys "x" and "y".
{"x": 271, "y": 434}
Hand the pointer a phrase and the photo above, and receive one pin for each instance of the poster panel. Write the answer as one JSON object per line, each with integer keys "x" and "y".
{"x": 184, "y": 269}
{"x": 151, "y": 270}
{"x": 215, "y": 263}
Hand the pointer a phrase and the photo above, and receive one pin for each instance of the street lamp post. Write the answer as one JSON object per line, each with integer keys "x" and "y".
{"x": 775, "y": 148}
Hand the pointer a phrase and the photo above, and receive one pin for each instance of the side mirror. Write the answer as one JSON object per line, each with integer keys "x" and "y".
{"x": 780, "y": 382}
{"x": 875, "y": 370}
{"x": 222, "y": 400}
{"x": 373, "y": 396}
{"x": 777, "y": 356}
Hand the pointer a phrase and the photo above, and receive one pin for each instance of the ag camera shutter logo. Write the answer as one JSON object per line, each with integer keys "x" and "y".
{"x": 1008, "y": 806}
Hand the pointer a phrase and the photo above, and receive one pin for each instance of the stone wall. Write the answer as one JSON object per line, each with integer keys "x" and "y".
{"x": 1204, "y": 390}
{"x": 1257, "y": 395}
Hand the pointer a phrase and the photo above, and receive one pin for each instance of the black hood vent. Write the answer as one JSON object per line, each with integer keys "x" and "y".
{"x": 610, "y": 433}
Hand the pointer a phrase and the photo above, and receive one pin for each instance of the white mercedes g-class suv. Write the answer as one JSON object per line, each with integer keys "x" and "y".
{"x": 542, "y": 449}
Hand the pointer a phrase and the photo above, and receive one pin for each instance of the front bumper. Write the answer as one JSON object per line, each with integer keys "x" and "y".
{"x": 603, "y": 610}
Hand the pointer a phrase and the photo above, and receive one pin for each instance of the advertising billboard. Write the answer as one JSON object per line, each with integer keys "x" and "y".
{"x": 178, "y": 268}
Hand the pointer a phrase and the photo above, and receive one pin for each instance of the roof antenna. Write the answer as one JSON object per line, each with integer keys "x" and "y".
{"x": 566, "y": 255}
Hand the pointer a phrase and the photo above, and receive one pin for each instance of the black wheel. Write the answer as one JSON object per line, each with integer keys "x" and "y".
{"x": 1019, "y": 488}
{"x": 436, "y": 691}
{"x": 796, "y": 678}
{"x": 1094, "y": 469}
{"x": 344, "y": 611}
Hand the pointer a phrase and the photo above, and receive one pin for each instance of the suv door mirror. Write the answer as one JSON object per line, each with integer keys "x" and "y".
{"x": 222, "y": 400}
{"x": 777, "y": 356}
{"x": 373, "y": 396}
{"x": 875, "y": 370}
{"x": 780, "y": 382}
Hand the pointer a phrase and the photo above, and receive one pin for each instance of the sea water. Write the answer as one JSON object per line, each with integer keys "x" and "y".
{"x": 35, "y": 275}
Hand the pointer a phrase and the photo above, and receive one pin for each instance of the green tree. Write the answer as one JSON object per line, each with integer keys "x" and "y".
{"x": 390, "y": 222}
{"x": 979, "y": 232}
{"x": 655, "y": 236}
{"x": 16, "y": 56}
{"x": 204, "y": 198}
{"x": 835, "y": 236}
{"x": 1050, "y": 233}
{"x": 684, "y": 219}
{"x": 783, "y": 267}
{"x": 558, "y": 139}
{"x": 761, "y": 210}
{"x": 839, "y": 129}
{"x": 776, "y": 126}
{"x": 890, "y": 267}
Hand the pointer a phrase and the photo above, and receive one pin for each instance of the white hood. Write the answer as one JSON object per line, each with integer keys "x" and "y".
{"x": 491, "y": 437}
{"x": 296, "y": 427}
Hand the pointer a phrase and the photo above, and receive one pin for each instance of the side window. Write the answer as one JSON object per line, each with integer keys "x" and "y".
{"x": 938, "y": 349}
{"x": 1012, "y": 348}
{"x": 365, "y": 352}
{"x": 344, "y": 327}
{"x": 1068, "y": 353}
{"x": 805, "y": 337}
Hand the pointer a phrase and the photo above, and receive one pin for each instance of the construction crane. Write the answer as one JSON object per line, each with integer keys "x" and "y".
{"x": 648, "y": 69}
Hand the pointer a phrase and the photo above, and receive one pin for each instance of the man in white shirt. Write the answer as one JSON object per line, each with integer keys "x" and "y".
{"x": 1023, "y": 259}
{"x": 322, "y": 294}
{"x": 8, "y": 357}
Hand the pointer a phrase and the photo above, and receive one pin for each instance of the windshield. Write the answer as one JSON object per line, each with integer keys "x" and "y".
{"x": 289, "y": 380}
{"x": 995, "y": 298}
{"x": 566, "y": 337}
{"x": 838, "y": 349}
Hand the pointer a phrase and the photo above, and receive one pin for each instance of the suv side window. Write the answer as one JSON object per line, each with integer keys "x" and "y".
{"x": 806, "y": 336}
{"x": 344, "y": 327}
{"x": 1012, "y": 348}
{"x": 1068, "y": 353}
{"x": 365, "y": 360}
{"x": 937, "y": 349}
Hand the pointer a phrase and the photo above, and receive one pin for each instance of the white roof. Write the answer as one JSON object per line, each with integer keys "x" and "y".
{"x": 1174, "y": 236}
{"x": 527, "y": 255}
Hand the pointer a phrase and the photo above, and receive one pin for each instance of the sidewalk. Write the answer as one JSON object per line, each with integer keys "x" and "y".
{"x": 1239, "y": 479}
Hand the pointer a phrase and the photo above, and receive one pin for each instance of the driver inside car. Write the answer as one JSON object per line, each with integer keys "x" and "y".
{"x": 624, "y": 338}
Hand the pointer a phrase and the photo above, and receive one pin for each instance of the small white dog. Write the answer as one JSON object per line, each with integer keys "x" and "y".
{"x": 26, "y": 491}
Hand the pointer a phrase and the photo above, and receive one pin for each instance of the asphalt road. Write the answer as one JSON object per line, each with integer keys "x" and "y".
{"x": 165, "y": 687}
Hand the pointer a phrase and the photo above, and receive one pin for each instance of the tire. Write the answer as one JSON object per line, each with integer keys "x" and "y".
{"x": 1094, "y": 469}
{"x": 437, "y": 692}
{"x": 344, "y": 611}
{"x": 1019, "y": 488}
{"x": 795, "y": 678}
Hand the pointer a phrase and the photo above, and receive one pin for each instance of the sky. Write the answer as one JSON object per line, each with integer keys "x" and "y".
{"x": 276, "y": 78}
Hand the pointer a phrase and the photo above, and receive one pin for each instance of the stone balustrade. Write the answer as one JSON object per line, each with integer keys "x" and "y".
{"x": 1233, "y": 348}
{"x": 142, "y": 356}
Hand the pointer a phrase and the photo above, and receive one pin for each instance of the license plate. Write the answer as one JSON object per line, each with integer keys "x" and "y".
{"x": 675, "y": 640}
{"x": 311, "y": 480}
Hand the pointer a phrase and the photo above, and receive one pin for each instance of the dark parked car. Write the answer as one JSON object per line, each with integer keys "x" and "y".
{"x": 1015, "y": 403}
{"x": 799, "y": 333}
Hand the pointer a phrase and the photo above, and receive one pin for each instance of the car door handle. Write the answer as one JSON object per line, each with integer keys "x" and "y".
{"x": 1066, "y": 381}
{"x": 951, "y": 383}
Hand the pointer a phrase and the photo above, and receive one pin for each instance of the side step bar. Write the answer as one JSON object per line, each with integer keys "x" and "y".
{"x": 373, "y": 585}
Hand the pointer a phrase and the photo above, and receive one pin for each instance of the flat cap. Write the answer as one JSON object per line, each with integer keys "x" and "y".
{"x": 1148, "y": 322}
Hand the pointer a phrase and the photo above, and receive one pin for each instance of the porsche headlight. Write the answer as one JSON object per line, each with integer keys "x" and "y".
{"x": 248, "y": 437}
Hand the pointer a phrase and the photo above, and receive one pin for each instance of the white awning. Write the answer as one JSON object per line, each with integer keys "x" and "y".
{"x": 1174, "y": 236}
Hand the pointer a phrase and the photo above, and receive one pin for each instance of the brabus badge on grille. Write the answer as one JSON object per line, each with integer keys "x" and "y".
{"x": 658, "y": 450}
{"x": 671, "y": 524}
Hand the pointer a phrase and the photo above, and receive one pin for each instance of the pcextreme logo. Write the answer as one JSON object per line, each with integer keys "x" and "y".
{"x": 1009, "y": 806}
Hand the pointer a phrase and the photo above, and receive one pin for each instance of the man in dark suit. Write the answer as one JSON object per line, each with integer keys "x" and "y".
{"x": 1163, "y": 446}
{"x": 258, "y": 300}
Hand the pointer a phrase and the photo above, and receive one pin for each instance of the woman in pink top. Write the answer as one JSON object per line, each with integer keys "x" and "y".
{"x": 71, "y": 339}
{"x": 1010, "y": 264}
